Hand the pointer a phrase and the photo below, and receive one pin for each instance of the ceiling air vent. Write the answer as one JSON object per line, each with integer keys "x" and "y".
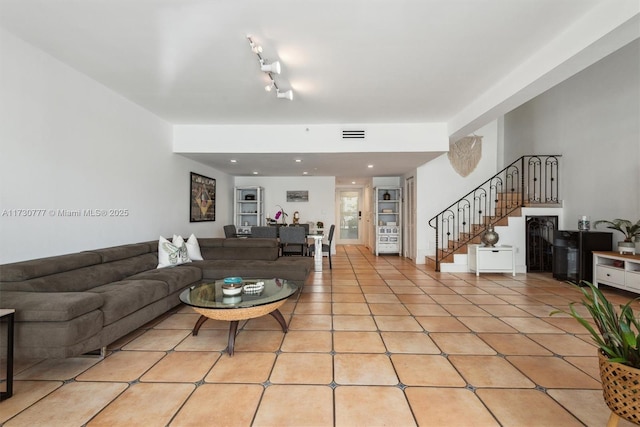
{"x": 352, "y": 134}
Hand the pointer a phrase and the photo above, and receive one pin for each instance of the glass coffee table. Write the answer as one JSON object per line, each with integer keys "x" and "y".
{"x": 208, "y": 299}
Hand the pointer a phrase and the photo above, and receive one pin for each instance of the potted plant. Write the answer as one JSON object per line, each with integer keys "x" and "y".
{"x": 627, "y": 228}
{"x": 617, "y": 335}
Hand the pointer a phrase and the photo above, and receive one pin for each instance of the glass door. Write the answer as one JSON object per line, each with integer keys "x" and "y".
{"x": 349, "y": 214}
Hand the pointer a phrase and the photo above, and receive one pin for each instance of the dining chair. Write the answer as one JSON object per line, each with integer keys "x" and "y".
{"x": 230, "y": 231}
{"x": 326, "y": 247}
{"x": 293, "y": 241}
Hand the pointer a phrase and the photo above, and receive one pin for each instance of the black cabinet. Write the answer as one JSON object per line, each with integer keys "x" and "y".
{"x": 572, "y": 253}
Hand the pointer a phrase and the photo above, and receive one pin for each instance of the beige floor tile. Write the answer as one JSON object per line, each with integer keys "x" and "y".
{"x": 394, "y": 309}
{"x": 266, "y": 323}
{"x": 58, "y": 369}
{"x": 363, "y": 369}
{"x": 416, "y": 299}
{"x": 525, "y": 408}
{"x": 25, "y": 394}
{"x": 423, "y": 370}
{"x": 372, "y": 406}
{"x": 397, "y": 323}
{"x": 158, "y": 340}
{"x": 442, "y": 407}
{"x": 567, "y": 324}
{"x": 465, "y": 310}
{"x": 242, "y": 368}
{"x": 481, "y": 300}
{"x": 259, "y": 340}
{"x": 295, "y": 405}
{"x": 151, "y": 404}
{"x": 352, "y": 308}
{"x": 220, "y": 402}
{"x": 503, "y": 310}
{"x": 489, "y": 371}
{"x": 313, "y": 308}
{"x": 409, "y": 342}
{"x": 531, "y": 325}
{"x": 303, "y": 368}
{"x": 347, "y": 298}
{"x": 381, "y": 298}
{"x": 318, "y": 322}
{"x": 486, "y": 324}
{"x": 441, "y": 324}
{"x": 206, "y": 340}
{"x": 179, "y": 321}
{"x": 552, "y": 372}
{"x": 182, "y": 366}
{"x": 123, "y": 366}
{"x": 72, "y": 404}
{"x": 589, "y": 365}
{"x": 315, "y": 297}
{"x": 515, "y": 344}
{"x": 450, "y": 299}
{"x": 354, "y": 323}
{"x": 587, "y": 405}
{"x": 567, "y": 345}
{"x": 307, "y": 341}
{"x": 461, "y": 343}
{"x": 433, "y": 310}
{"x": 376, "y": 289}
{"x": 358, "y": 342}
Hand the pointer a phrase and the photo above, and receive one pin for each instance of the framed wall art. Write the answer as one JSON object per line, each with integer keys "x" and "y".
{"x": 297, "y": 196}
{"x": 202, "y": 205}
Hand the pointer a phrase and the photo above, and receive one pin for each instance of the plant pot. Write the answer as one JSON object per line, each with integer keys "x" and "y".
{"x": 621, "y": 390}
{"x": 627, "y": 247}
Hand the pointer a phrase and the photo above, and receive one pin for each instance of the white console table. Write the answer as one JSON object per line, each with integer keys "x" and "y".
{"x": 491, "y": 259}
{"x": 619, "y": 271}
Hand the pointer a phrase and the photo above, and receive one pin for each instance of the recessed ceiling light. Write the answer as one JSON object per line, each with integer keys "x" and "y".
{"x": 369, "y": 166}
{"x": 298, "y": 160}
{"x": 353, "y": 182}
{"x": 305, "y": 173}
{"x": 255, "y": 173}
{"x": 233, "y": 161}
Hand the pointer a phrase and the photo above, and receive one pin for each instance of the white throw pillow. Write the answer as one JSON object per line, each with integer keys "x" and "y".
{"x": 172, "y": 253}
{"x": 193, "y": 248}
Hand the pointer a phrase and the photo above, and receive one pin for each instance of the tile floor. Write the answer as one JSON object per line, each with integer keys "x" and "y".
{"x": 375, "y": 341}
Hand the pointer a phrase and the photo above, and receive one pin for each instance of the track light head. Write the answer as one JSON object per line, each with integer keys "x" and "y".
{"x": 285, "y": 95}
{"x": 274, "y": 67}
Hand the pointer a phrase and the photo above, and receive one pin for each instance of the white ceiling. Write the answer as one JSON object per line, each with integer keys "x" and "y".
{"x": 347, "y": 61}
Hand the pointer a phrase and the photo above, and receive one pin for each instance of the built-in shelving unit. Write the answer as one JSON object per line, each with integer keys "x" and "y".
{"x": 388, "y": 209}
{"x": 617, "y": 270}
{"x": 248, "y": 208}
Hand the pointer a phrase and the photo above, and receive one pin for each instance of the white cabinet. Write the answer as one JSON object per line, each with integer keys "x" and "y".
{"x": 248, "y": 208}
{"x": 619, "y": 271}
{"x": 491, "y": 259}
{"x": 388, "y": 220}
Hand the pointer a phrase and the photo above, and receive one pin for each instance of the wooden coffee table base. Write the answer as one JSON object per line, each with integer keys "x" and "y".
{"x": 234, "y": 315}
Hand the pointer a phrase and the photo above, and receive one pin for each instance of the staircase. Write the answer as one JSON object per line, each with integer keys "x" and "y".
{"x": 530, "y": 181}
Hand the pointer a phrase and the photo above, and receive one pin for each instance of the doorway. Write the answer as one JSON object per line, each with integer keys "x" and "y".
{"x": 539, "y": 246}
{"x": 410, "y": 219}
{"x": 349, "y": 204}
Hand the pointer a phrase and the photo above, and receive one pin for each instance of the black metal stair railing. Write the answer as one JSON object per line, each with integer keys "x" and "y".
{"x": 529, "y": 181}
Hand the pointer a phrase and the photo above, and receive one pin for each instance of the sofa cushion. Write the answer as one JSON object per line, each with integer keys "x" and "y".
{"x": 239, "y": 249}
{"x": 116, "y": 253}
{"x": 176, "y": 278}
{"x": 124, "y": 297}
{"x": 50, "y": 306}
{"x": 289, "y": 268}
{"x": 173, "y": 253}
{"x": 26, "y": 270}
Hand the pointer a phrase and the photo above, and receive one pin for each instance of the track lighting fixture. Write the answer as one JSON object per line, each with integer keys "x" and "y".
{"x": 285, "y": 95}
{"x": 271, "y": 69}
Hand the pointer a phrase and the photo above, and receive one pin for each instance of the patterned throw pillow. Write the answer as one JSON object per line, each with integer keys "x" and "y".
{"x": 172, "y": 253}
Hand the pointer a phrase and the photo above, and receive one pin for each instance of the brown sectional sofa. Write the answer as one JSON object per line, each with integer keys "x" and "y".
{"x": 72, "y": 304}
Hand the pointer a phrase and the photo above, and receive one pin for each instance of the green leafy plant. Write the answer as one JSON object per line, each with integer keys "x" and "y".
{"x": 626, "y": 227}
{"x": 618, "y": 334}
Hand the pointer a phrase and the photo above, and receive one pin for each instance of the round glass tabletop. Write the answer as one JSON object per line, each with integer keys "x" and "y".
{"x": 209, "y": 294}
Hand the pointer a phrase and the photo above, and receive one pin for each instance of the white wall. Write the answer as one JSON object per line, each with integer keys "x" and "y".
{"x": 68, "y": 143}
{"x": 438, "y": 185}
{"x": 321, "y": 204}
{"x": 593, "y": 121}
